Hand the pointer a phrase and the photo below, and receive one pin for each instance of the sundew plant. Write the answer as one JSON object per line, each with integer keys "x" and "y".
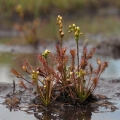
{"x": 61, "y": 77}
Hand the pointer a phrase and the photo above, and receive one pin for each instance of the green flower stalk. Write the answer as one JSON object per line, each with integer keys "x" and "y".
{"x": 45, "y": 55}
{"x": 77, "y": 33}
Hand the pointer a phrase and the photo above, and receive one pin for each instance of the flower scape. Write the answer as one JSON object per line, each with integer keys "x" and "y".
{"x": 68, "y": 79}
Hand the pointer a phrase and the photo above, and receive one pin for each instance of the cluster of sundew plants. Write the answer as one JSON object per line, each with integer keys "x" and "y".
{"x": 62, "y": 76}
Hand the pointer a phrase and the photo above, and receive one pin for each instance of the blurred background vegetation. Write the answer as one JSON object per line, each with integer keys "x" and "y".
{"x": 35, "y": 8}
{"x": 36, "y": 19}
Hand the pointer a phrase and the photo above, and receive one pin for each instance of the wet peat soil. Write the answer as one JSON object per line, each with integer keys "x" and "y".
{"x": 107, "y": 92}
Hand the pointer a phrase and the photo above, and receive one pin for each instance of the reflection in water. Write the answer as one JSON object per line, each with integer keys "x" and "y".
{"x": 5, "y": 114}
{"x": 83, "y": 113}
{"x": 92, "y": 112}
{"x": 66, "y": 113}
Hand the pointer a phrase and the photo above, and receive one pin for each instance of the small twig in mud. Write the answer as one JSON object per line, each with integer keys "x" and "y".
{"x": 13, "y": 86}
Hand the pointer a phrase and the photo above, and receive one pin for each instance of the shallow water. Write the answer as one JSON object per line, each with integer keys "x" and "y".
{"x": 84, "y": 114}
{"x": 113, "y": 70}
{"x": 5, "y": 114}
{"x": 106, "y": 116}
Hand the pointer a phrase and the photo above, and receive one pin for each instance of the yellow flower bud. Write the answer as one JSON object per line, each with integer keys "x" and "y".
{"x": 60, "y": 30}
{"x": 37, "y": 72}
{"x": 60, "y": 18}
{"x": 59, "y": 22}
{"x": 77, "y": 28}
{"x": 24, "y": 68}
{"x": 45, "y": 53}
{"x": 71, "y": 73}
{"x": 44, "y": 86}
{"x": 73, "y": 25}
{"x": 70, "y": 31}
{"x": 70, "y": 26}
{"x": 81, "y": 33}
{"x": 98, "y": 62}
{"x": 33, "y": 71}
{"x": 62, "y": 34}
{"x": 32, "y": 76}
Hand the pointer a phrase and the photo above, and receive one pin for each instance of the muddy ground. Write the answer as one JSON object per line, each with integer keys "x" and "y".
{"x": 108, "y": 88}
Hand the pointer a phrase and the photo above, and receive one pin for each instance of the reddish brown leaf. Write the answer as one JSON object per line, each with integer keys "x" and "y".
{"x": 15, "y": 73}
{"x": 95, "y": 81}
{"x": 23, "y": 85}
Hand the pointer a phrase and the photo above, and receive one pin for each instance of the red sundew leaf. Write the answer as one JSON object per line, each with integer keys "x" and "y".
{"x": 104, "y": 66}
{"x": 95, "y": 81}
{"x": 16, "y": 73}
{"x": 58, "y": 50}
{"x": 33, "y": 82}
{"x": 73, "y": 53}
{"x": 93, "y": 50}
{"x": 98, "y": 70}
{"x": 42, "y": 60}
{"x": 39, "y": 56}
{"x": 41, "y": 73}
{"x": 84, "y": 52}
{"x": 83, "y": 63}
{"x": 52, "y": 56}
{"x": 63, "y": 50}
{"x": 89, "y": 56}
{"x": 23, "y": 85}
